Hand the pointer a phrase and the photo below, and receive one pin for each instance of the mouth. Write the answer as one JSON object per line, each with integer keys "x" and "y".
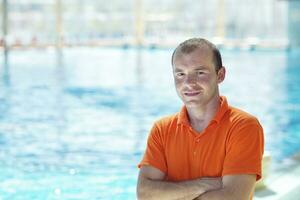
{"x": 192, "y": 93}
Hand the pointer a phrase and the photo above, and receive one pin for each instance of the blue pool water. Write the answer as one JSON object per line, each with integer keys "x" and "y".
{"x": 75, "y": 126}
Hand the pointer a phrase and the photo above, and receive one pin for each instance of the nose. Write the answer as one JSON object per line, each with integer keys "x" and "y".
{"x": 191, "y": 79}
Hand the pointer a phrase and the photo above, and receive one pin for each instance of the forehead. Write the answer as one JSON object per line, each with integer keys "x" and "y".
{"x": 200, "y": 57}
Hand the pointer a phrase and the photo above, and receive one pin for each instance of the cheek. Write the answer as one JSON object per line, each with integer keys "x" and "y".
{"x": 204, "y": 80}
{"x": 177, "y": 82}
{"x": 178, "y": 87}
{"x": 207, "y": 80}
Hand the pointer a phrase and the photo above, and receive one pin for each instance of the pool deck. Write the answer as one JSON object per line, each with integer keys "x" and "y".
{"x": 283, "y": 183}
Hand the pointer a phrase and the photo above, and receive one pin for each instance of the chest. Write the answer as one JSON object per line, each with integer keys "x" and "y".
{"x": 190, "y": 155}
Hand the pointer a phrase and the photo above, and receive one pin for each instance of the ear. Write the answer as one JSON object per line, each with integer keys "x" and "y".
{"x": 221, "y": 74}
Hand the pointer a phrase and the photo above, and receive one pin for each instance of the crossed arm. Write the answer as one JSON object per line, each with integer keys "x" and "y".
{"x": 151, "y": 185}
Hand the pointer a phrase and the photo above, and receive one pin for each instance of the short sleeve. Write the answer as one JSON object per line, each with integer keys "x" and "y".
{"x": 154, "y": 154}
{"x": 244, "y": 149}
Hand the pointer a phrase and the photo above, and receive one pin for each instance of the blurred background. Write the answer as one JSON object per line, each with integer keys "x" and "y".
{"x": 82, "y": 82}
{"x": 269, "y": 23}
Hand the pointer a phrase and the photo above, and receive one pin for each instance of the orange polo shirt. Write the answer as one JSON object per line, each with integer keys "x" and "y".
{"x": 233, "y": 143}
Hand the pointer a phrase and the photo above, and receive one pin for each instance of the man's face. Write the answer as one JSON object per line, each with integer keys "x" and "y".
{"x": 196, "y": 79}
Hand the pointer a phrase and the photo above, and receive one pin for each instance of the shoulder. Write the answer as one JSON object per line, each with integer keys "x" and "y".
{"x": 166, "y": 122}
{"x": 244, "y": 126}
{"x": 162, "y": 127}
{"x": 241, "y": 117}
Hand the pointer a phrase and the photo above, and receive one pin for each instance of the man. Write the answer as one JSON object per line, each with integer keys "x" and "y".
{"x": 209, "y": 150}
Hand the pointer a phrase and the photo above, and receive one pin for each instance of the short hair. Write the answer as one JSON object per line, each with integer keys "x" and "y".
{"x": 192, "y": 44}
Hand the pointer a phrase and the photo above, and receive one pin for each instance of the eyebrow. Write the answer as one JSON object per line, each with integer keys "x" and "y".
{"x": 197, "y": 69}
{"x": 201, "y": 68}
{"x": 178, "y": 70}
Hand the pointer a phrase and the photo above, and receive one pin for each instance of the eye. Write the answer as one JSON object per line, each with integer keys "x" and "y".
{"x": 200, "y": 73}
{"x": 179, "y": 74}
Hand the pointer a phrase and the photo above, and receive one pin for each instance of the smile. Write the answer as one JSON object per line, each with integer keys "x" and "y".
{"x": 190, "y": 94}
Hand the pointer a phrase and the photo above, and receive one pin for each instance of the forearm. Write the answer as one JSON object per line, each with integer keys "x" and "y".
{"x": 235, "y": 187}
{"x": 186, "y": 190}
{"x": 224, "y": 194}
{"x": 215, "y": 195}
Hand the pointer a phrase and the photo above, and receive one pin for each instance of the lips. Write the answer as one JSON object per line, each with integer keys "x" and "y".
{"x": 191, "y": 93}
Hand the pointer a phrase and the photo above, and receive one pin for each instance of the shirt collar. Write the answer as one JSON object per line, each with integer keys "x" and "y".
{"x": 222, "y": 109}
{"x": 183, "y": 115}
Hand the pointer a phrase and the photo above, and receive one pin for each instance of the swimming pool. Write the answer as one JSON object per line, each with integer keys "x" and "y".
{"x": 75, "y": 126}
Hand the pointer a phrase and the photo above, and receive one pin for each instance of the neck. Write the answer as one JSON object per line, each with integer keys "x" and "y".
{"x": 201, "y": 116}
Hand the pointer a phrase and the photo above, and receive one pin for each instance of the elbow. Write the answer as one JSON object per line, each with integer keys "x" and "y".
{"x": 141, "y": 193}
{"x": 141, "y": 190}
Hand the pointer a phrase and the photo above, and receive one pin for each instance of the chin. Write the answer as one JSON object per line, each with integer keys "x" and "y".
{"x": 192, "y": 103}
